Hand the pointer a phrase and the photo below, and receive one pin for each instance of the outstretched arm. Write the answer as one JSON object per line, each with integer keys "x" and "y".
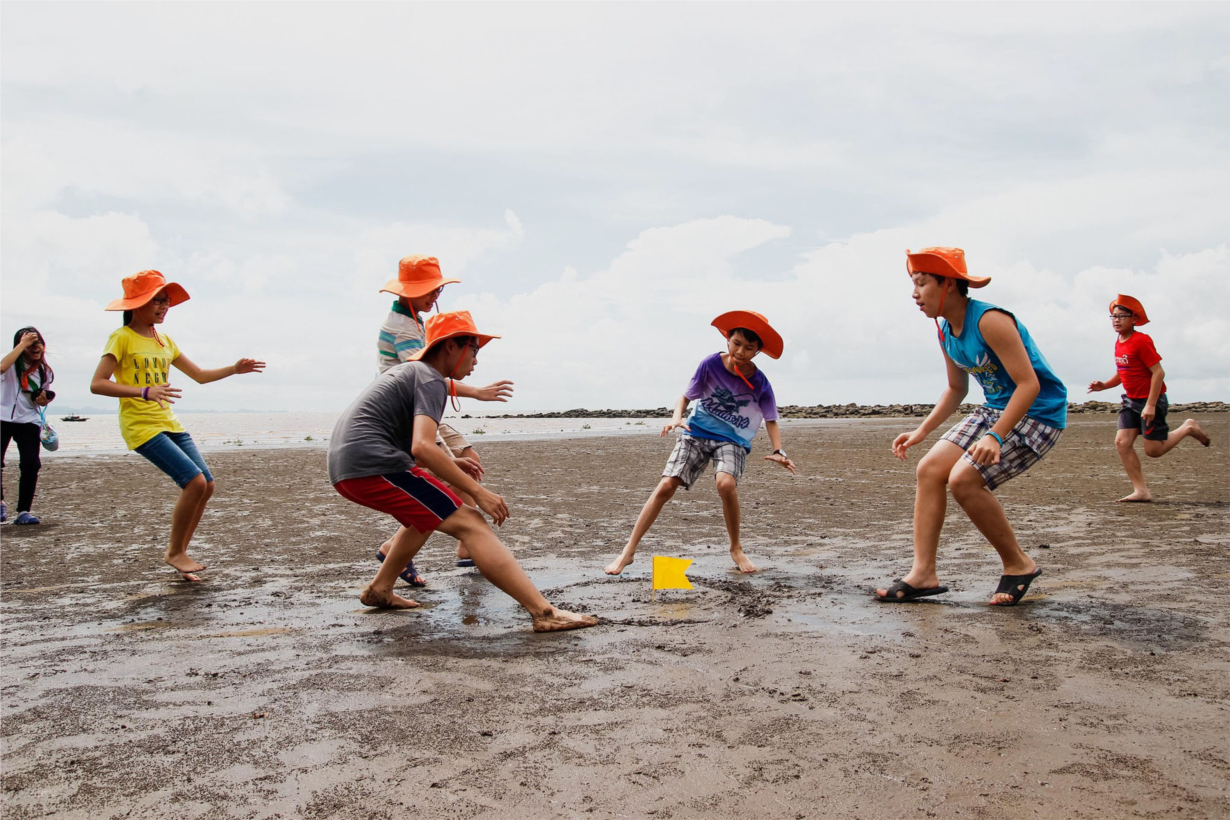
{"x": 949, "y": 403}
{"x": 202, "y": 376}
{"x": 496, "y": 391}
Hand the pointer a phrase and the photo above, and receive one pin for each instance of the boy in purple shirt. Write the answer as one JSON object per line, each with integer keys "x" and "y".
{"x": 734, "y": 397}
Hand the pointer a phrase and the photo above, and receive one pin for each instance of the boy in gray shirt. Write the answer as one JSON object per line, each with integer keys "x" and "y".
{"x": 382, "y": 448}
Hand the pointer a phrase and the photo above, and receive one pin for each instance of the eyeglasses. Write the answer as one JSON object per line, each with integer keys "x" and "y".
{"x": 1115, "y": 316}
{"x": 164, "y": 299}
{"x": 474, "y": 347}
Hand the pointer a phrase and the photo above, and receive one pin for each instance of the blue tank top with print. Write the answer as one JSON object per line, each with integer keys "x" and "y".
{"x": 973, "y": 355}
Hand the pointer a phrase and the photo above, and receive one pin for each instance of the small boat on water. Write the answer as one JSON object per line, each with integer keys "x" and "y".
{"x": 74, "y": 417}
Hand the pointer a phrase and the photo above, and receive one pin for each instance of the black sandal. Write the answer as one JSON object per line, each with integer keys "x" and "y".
{"x": 911, "y": 593}
{"x": 1016, "y": 586}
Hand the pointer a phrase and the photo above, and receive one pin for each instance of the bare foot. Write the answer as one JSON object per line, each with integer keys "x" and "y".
{"x": 558, "y": 620}
{"x": 386, "y": 600}
{"x": 742, "y": 561}
{"x": 1137, "y": 497}
{"x": 184, "y": 565}
{"x": 1197, "y": 432}
{"x": 617, "y": 566}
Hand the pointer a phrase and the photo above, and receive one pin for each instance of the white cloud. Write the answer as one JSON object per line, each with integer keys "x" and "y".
{"x": 280, "y": 165}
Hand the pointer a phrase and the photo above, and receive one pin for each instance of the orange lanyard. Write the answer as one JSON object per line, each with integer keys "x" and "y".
{"x": 739, "y": 373}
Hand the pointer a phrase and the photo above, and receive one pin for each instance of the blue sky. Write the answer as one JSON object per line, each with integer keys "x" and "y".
{"x": 607, "y": 178}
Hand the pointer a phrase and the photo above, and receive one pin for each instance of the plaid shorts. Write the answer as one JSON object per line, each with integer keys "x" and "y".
{"x": 1028, "y": 442}
{"x": 691, "y": 455}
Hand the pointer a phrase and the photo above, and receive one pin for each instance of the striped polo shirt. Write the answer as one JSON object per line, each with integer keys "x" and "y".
{"x": 401, "y": 336}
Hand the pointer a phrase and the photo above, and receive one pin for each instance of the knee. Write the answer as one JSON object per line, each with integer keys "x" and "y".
{"x": 666, "y": 488}
{"x": 467, "y": 520}
{"x": 1124, "y": 444}
{"x": 727, "y": 487}
{"x": 964, "y": 485}
{"x": 1153, "y": 449}
{"x": 198, "y": 487}
{"x": 209, "y": 488}
{"x": 929, "y": 472}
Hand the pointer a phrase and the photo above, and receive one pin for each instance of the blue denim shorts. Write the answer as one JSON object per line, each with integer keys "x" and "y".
{"x": 177, "y": 456}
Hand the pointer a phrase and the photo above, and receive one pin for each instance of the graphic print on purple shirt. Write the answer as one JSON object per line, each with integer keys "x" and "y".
{"x": 727, "y": 410}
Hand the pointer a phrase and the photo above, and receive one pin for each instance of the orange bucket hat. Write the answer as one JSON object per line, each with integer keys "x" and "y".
{"x": 448, "y": 326}
{"x": 771, "y": 340}
{"x": 141, "y": 287}
{"x": 417, "y": 276}
{"x": 1132, "y": 304}
{"x": 946, "y": 262}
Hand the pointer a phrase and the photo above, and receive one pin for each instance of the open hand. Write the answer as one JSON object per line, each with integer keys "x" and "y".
{"x": 493, "y": 505}
{"x": 668, "y": 428}
{"x": 782, "y": 460}
{"x": 905, "y": 441}
{"x": 496, "y": 391}
{"x": 470, "y": 467}
{"x": 27, "y": 339}
{"x": 1096, "y": 386}
{"x": 249, "y": 366}
{"x": 164, "y": 393}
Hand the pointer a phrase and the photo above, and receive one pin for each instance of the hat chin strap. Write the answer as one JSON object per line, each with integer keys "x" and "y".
{"x": 452, "y": 386}
{"x": 938, "y": 331}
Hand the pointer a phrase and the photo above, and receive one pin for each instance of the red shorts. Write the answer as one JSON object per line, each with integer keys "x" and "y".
{"x": 416, "y": 499}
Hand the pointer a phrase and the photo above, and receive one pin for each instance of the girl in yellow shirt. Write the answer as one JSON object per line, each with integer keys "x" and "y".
{"x": 140, "y": 359}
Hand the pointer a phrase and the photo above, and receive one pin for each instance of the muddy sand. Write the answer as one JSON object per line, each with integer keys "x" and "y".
{"x": 269, "y": 691}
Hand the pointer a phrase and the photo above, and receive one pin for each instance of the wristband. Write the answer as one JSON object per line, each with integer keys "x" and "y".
{"x": 145, "y": 393}
{"x": 995, "y": 435}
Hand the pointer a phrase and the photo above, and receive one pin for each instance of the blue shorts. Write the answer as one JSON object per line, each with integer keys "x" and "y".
{"x": 177, "y": 456}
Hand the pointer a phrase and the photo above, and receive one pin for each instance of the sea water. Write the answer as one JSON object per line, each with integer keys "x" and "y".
{"x": 100, "y": 435}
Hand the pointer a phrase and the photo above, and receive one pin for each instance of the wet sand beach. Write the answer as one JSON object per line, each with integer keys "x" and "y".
{"x": 269, "y": 691}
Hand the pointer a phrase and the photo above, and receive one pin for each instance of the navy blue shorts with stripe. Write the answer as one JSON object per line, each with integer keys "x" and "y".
{"x": 416, "y": 498}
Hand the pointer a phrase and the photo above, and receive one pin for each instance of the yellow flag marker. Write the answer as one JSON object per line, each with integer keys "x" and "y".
{"x": 671, "y": 573}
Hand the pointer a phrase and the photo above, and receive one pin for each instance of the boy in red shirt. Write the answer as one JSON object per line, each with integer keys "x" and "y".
{"x": 1144, "y": 398}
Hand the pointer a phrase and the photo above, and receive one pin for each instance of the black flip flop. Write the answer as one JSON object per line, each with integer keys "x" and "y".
{"x": 911, "y": 593}
{"x": 1016, "y": 586}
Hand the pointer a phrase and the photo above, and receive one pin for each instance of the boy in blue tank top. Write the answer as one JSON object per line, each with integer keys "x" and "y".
{"x": 1024, "y": 415}
{"x": 732, "y": 397}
